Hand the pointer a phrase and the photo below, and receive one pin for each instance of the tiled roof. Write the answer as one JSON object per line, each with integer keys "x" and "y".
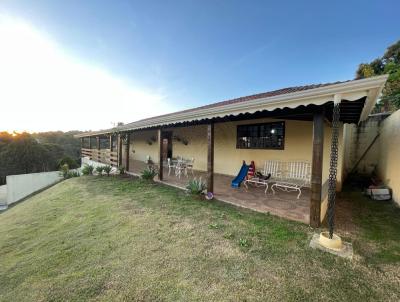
{"x": 245, "y": 99}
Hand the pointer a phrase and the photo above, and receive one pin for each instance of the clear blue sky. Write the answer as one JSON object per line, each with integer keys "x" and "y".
{"x": 197, "y": 52}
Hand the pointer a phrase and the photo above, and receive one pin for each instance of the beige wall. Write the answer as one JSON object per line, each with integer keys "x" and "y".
{"x": 389, "y": 154}
{"x": 196, "y": 136}
{"x": 228, "y": 159}
{"x": 140, "y": 148}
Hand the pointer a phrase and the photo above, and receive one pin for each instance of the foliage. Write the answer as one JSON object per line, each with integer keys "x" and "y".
{"x": 196, "y": 186}
{"x": 243, "y": 242}
{"x": 99, "y": 170}
{"x": 107, "y": 169}
{"x": 64, "y": 169}
{"x": 121, "y": 170}
{"x": 71, "y": 146}
{"x": 149, "y": 173}
{"x": 87, "y": 169}
{"x": 73, "y": 174}
{"x": 389, "y": 64}
{"x": 72, "y": 163}
{"x": 22, "y": 153}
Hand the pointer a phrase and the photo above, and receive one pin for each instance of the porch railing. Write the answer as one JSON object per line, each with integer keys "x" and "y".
{"x": 104, "y": 156}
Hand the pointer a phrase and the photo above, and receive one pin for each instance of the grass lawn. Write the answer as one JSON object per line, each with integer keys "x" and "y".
{"x": 107, "y": 239}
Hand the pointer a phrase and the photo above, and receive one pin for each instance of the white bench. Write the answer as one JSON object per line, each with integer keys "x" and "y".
{"x": 294, "y": 176}
{"x": 272, "y": 167}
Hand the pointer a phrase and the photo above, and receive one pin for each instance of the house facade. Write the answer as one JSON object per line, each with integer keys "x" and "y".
{"x": 298, "y": 124}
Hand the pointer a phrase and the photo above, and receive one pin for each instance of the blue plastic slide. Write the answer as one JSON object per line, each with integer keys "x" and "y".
{"x": 241, "y": 176}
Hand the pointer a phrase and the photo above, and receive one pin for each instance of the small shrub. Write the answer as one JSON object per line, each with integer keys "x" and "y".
{"x": 99, "y": 170}
{"x": 64, "y": 169}
{"x": 87, "y": 169}
{"x": 244, "y": 242}
{"x": 72, "y": 163}
{"x": 121, "y": 170}
{"x": 214, "y": 226}
{"x": 196, "y": 186}
{"x": 107, "y": 169}
{"x": 149, "y": 173}
{"x": 73, "y": 174}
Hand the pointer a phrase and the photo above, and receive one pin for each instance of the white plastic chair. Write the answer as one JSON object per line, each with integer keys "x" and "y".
{"x": 170, "y": 166}
{"x": 180, "y": 167}
{"x": 189, "y": 166}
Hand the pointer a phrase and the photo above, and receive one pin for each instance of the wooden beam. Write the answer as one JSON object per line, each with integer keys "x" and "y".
{"x": 316, "y": 173}
{"x": 111, "y": 141}
{"x": 90, "y": 142}
{"x": 119, "y": 150}
{"x": 128, "y": 140}
{"x": 98, "y": 142}
{"x": 210, "y": 157}
{"x": 160, "y": 151}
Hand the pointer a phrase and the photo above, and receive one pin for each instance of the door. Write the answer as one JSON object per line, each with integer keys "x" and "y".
{"x": 167, "y": 145}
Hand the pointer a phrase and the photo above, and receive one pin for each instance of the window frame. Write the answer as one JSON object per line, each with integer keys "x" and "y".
{"x": 258, "y": 125}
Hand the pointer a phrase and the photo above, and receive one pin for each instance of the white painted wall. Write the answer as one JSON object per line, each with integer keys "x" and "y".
{"x": 20, "y": 186}
{"x": 389, "y": 154}
{"x": 3, "y": 195}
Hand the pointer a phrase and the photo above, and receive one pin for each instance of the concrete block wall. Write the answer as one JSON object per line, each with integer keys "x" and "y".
{"x": 357, "y": 139}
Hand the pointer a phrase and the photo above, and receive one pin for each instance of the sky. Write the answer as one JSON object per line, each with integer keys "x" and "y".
{"x": 86, "y": 65}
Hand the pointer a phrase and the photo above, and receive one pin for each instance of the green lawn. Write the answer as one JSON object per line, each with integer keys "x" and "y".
{"x": 111, "y": 239}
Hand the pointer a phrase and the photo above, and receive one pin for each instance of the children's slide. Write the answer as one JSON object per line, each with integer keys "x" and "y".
{"x": 241, "y": 176}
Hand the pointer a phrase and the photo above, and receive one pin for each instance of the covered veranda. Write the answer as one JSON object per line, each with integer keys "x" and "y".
{"x": 308, "y": 120}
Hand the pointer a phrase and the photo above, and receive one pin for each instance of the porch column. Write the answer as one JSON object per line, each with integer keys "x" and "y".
{"x": 128, "y": 136}
{"x": 119, "y": 149}
{"x": 98, "y": 148}
{"x": 210, "y": 157}
{"x": 316, "y": 173}
{"x": 90, "y": 148}
{"x": 111, "y": 146}
{"x": 81, "y": 145}
{"x": 160, "y": 151}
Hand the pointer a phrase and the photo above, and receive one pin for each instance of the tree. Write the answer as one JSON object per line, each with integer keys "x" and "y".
{"x": 389, "y": 64}
{"x": 40, "y": 152}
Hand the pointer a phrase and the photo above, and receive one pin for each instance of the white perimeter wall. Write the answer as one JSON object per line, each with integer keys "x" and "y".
{"x": 389, "y": 154}
{"x": 20, "y": 186}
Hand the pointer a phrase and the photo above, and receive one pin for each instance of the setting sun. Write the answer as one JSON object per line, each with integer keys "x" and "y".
{"x": 44, "y": 88}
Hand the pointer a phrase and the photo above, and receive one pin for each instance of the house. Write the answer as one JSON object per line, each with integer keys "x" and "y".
{"x": 296, "y": 124}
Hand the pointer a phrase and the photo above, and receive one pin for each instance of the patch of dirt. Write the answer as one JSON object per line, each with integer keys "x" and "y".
{"x": 344, "y": 213}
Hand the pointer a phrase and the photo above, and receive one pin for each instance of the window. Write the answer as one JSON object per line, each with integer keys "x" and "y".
{"x": 261, "y": 136}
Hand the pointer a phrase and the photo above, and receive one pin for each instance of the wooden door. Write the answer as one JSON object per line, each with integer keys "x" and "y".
{"x": 167, "y": 145}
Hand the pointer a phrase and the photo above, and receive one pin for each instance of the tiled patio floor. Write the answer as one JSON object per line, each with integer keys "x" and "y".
{"x": 282, "y": 204}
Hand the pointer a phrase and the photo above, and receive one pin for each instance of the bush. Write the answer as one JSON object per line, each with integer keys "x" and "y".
{"x": 99, "y": 170}
{"x": 196, "y": 186}
{"x": 87, "y": 169}
{"x": 107, "y": 169}
{"x": 64, "y": 169}
{"x": 73, "y": 174}
{"x": 121, "y": 170}
{"x": 72, "y": 164}
{"x": 149, "y": 173}
{"x": 66, "y": 173}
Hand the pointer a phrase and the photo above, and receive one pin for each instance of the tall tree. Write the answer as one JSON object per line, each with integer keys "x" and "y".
{"x": 389, "y": 64}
